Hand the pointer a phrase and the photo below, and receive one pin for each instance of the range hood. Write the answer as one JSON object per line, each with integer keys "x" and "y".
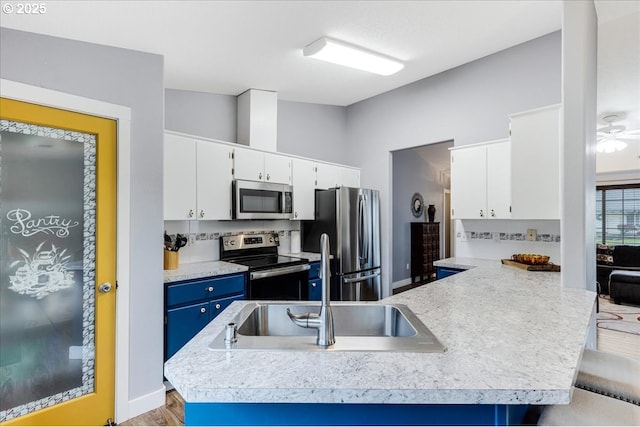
{"x": 257, "y": 122}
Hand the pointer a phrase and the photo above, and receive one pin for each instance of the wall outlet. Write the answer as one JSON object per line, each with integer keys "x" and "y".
{"x": 407, "y": 266}
{"x": 532, "y": 234}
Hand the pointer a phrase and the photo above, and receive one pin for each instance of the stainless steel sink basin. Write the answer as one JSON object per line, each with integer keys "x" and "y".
{"x": 358, "y": 327}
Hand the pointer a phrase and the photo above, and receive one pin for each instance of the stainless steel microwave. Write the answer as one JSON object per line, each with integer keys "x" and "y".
{"x": 261, "y": 200}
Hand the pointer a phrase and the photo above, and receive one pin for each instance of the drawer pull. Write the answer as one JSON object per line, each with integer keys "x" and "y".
{"x": 210, "y": 289}
{"x": 203, "y": 310}
{"x": 217, "y": 306}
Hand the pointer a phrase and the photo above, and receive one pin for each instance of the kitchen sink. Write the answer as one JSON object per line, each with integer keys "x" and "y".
{"x": 358, "y": 327}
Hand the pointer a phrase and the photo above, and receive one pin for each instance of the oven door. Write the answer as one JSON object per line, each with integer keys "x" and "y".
{"x": 261, "y": 200}
{"x": 282, "y": 283}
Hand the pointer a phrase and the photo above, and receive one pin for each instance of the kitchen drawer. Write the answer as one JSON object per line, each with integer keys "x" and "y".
{"x": 183, "y": 324}
{"x": 197, "y": 290}
{"x": 315, "y": 290}
{"x": 217, "y": 306}
{"x": 314, "y": 271}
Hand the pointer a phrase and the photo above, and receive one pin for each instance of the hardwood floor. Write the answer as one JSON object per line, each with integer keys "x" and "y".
{"x": 171, "y": 414}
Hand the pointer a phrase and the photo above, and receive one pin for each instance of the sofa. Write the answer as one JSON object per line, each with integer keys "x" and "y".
{"x": 624, "y": 262}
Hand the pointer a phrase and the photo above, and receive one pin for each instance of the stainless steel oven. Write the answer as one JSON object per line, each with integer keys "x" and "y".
{"x": 261, "y": 200}
{"x": 271, "y": 276}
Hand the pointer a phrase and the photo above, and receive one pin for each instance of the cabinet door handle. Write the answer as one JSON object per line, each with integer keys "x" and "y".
{"x": 493, "y": 213}
{"x": 202, "y": 214}
{"x": 210, "y": 289}
{"x": 190, "y": 213}
{"x": 313, "y": 285}
{"x": 296, "y": 215}
{"x": 268, "y": 177}
{"x": 217, "y": 306}
{"x": 260, "y": 175}
{"x": 203, "y": 310}
{"x": 481, "y": 213}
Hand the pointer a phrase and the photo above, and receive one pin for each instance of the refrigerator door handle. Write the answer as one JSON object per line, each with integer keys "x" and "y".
{"x": 367, "y": 226}
{"x": 360, "y": 228}
{"x": 362, "y": 278}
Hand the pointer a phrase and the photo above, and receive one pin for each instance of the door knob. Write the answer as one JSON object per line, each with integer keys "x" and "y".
{"x": 104, "y": 288}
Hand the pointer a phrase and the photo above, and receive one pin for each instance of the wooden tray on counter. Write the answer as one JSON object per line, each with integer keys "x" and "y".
{"x": 540, "y": 267}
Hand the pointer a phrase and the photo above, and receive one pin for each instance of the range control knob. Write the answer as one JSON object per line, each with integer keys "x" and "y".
{"x": 232, "y": 242}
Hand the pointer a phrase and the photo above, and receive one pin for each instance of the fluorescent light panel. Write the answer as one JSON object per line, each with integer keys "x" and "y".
{"x": 348, "y": 55}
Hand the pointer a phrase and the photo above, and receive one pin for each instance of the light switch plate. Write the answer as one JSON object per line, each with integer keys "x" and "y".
{"x": 532, "y": 234}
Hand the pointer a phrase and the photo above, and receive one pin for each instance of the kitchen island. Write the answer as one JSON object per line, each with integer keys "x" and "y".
{"x": 513, "y": 338}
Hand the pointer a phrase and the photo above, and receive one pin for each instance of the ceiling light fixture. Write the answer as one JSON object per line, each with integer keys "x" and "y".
{"x": 348, "y": 55}
{"x": 612, "y": 137}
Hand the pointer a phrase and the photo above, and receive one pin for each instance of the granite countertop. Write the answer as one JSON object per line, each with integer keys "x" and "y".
{"x": 198, "y": 270}
{"x": 512, "y": 337}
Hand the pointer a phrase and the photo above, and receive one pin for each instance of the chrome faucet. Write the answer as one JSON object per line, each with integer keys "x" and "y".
{"x": 323, "y": 322}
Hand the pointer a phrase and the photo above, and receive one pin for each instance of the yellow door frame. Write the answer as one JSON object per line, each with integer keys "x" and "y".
{"x": 93, "y": 408}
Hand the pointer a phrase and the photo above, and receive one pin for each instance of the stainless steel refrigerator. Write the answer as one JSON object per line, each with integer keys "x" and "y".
{"x": 351, "y": 218}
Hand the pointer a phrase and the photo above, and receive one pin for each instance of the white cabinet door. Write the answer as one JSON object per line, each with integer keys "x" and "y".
{"x": 535, "y": 164}
{"x": 499, "y": 180}
{"x": 327, "y": 176}
{"x": 248, "y": 164}
{"x": 304, "y": 179}
{"x": 277, "y": 168}
{"x": 214, "y": 180}
{"x": 350, "y": 177}
{"x": 179, "y": 178}
{"x": 469, "y": 182}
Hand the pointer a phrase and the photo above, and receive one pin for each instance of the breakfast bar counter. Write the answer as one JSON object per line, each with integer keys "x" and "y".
{"x": 513, "y": 338}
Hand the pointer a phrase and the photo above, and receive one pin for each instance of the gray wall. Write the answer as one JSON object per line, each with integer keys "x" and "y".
{"x": 132, "y": 79}
{"x": 202, "y": 114}
{"x": 307, "y": 130}
{"x": 413, "y": 173}
{"x": 467, "y": 104}
{"x": 313, "y": 130}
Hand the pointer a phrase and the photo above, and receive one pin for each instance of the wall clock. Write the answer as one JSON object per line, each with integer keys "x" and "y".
{"x": 417, "y": 205}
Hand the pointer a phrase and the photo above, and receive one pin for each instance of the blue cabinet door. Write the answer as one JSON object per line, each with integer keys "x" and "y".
{"x": 315, "y": 290}
{"x": 442, "y": 272}
{"x": 183, "y": 324}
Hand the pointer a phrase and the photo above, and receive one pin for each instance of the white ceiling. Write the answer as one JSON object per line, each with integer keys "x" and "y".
{"x": 227, "y": 47}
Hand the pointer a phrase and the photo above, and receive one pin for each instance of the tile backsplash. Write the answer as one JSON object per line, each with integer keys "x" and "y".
{"x": 204, "y": 236}
{"x": 497, "y": 239}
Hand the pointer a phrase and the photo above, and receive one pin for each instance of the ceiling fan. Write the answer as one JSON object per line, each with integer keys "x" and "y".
{"x": 612, "y": 137}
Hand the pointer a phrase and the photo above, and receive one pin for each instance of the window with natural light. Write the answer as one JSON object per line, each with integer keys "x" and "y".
{"x": 618, "y": 215}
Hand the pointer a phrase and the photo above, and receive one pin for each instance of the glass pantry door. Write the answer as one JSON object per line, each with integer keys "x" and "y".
{"x": 57, "y": 266}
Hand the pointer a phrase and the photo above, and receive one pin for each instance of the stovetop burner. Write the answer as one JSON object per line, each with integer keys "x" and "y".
{"x": 256, "y": 251}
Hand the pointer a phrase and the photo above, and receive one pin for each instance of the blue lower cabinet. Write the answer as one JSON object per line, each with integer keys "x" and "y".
{"x": 442, "y": 272}
{"x": 315, "y": 290}
{"x": 191, "y": 305}
{"x": 315, "y": 283}
{"x": 260, "y": 414}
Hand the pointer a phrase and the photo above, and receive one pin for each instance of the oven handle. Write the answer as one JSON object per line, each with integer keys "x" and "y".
{"x": 279, "y": 271}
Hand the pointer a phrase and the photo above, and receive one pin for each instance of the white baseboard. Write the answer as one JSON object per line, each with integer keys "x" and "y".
{"x": 146, "y": 403}
{"x": 402, "y": 282}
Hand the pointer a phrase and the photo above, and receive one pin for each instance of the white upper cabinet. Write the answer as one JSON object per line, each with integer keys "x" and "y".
{"x": 214, "y": 178}
{"x": 277, "y": 168}
{"x": 468, "y": 182}
{"x": 499, "y": 180}
{"x": 350, "y": 177}
{"x": 255, "y": 165}
{"x": 480, "y": 177}
{"x": 179, "y": 178}
{"x": 327, "y": 176}
{"x": 197, "y": 176}
{"x": 535, "y": 164}
{"x": 304, "y": 184}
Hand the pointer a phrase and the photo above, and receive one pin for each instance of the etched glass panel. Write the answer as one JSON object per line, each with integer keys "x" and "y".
{"x": 47, "y": 266}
